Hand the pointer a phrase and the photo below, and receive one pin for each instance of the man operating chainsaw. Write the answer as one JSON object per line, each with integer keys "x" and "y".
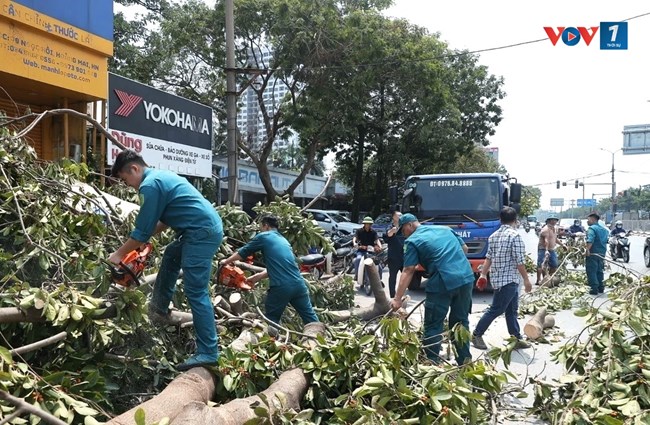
{"x": 169, "y": 200}
{"x": 286, "y": 285}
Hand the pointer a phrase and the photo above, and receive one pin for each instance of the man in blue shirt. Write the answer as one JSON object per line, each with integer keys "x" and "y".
{"x": 168, "y": 200}
{"x": 597, "y": 236}
{"x": 449, "y": 288}
{"x": 286, "y": 285}
{"x": 505, "y": 263}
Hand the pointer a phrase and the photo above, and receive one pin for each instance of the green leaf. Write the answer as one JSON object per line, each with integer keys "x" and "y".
{"x": 139, "y": 417}
{"x": 632, "y": 408}
{"x": 228, "y": 383}
{"x": 5, "y": 354}
{"x": 581, "y": 312}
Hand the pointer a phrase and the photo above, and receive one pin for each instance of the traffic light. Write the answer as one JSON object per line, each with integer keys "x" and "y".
{"x": 576, "y": 184}
{"x": 558, "y": 184}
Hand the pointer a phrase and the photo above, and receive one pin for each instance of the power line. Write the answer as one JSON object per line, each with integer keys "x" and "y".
{"x": 430, "y": 59}
{"x": 573, "y": 178}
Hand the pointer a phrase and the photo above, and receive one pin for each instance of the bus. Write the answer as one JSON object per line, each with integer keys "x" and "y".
{"x": 469, "y": 203}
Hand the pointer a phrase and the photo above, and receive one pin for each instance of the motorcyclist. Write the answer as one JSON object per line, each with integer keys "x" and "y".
{"x": 618, "y": 229}
{"x": 576, "y": 227}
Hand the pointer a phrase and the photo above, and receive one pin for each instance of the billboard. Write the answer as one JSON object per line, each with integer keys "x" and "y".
{"x": 170, "y": 132}
{"x": 42, "y": 48}
{"x": 493, "y": 152}
{"x": 636, "y": 139}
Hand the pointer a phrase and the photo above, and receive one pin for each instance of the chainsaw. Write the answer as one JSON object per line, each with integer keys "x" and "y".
{"x": 128, "y": 272}
{"x": 233, "y": 277}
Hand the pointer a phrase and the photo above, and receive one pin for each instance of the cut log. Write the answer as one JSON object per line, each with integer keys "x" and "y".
{"x": 219, "y": 301}
{"x": 380, "y": 307}
{"x": 535, "y": 326}
{"x": 549, "y": 322}
{"x": 235, "y": 301}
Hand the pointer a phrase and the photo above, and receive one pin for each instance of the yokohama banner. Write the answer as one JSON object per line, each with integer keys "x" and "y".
{"x": 170, "y": 132}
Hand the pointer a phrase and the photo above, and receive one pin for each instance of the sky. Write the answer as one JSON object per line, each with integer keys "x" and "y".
{"x": 564, "y": 103}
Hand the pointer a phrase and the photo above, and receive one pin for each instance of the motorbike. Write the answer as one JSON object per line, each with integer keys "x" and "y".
{"x": 344, "y": 253}
{"x": 527, "y": 227}
{"x": 380, "y": 259}
{"x": 619, "y": 247}
{"x": 313, "y": 263}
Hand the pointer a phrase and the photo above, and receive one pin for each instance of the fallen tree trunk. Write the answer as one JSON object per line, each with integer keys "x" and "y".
{"x": 185, "y": 399}
{"x": 290, "y": 387}
{"x": 285, "y": 393}
{"x": 380, "y": 307}
{"x": 196, "y": 385}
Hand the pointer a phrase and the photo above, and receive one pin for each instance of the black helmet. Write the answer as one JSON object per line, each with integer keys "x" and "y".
{"x": 576, "y": 222}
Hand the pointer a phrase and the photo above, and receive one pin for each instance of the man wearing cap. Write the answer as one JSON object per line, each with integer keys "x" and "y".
{"x": 449, "y": 288}
{"x": 286, "y": 285}
{"x": 363, "y": 238}
{"x": 597, "y": 236}
{"x": 548, "y": 240}
{"x": 169, "y": 200}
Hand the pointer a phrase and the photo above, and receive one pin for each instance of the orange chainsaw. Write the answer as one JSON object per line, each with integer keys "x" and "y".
{"x": 128, "y": 272}
{"x": 233, "y": 277}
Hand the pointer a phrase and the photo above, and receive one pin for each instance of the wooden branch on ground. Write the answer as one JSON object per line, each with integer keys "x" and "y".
{"x": 380, "y": 307}
{"x": 39, "y": 344}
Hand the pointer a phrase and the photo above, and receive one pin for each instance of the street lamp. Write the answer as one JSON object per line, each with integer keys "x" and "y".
{"x": 613, "y": 180}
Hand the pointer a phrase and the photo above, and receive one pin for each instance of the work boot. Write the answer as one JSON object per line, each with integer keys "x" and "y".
{"x": 161, "y": 319}
{"x": 601, "y": 289}
{"x": 521, "y": 343}
{"x": 477, "y": 342}
{"x": 198, "y": 360}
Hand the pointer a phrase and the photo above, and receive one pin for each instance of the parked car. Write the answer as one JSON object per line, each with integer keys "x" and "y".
{"x": 332, "y": 221}
{"x": 646, "y": 252}
{"x": 382, "y": 223}
{"x": 345, "y": 214}
{"x": 563, "y": 226}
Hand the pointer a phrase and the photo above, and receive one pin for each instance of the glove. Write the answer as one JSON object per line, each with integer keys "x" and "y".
{"x": 481, "y": 283}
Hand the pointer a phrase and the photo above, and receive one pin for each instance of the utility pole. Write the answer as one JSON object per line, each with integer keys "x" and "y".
{"x": 231, "y": 105}
{"x": 613, "y": 181}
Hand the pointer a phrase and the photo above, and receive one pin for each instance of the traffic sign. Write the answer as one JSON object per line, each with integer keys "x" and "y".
{"x": 557, "y": 202}
{"x": 586, "y": 202}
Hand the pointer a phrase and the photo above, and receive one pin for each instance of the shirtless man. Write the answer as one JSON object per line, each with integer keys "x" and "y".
{"x": 546, "y": 248}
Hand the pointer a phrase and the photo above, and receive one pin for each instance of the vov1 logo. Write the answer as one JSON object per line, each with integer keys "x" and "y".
{"x": 613, "y": 35}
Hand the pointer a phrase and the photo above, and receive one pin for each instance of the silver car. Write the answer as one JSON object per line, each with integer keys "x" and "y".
{"x": 331, "y": 221}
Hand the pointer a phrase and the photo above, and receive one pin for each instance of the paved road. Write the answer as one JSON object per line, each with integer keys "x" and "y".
{"x": 534, "y": 361}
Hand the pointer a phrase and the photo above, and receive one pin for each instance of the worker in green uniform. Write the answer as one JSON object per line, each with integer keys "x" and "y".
{"x": 286, "y": 285}
{"x": 449, "y": 288}
{"x": 169, "y": 200}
